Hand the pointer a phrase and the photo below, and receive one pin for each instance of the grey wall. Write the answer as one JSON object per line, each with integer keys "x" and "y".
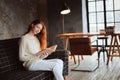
{"x": 73, "y": 21}
{"x": 15, "y": 16}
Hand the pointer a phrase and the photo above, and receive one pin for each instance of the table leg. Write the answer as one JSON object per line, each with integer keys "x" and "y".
{"x": 66, "y": 44}
{"x": 117, "y": 42}
{"x": 114, "y": 43}
{"x": 110, "y": 49}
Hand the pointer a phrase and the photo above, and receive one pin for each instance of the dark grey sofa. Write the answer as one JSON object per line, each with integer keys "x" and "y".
{"x": 11, "y": 68}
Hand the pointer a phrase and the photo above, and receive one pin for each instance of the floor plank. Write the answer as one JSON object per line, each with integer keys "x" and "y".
{"x": 104, "y": 72}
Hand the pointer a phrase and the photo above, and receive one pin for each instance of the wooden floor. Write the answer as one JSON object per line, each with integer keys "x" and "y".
{"x": 104, "y": 72}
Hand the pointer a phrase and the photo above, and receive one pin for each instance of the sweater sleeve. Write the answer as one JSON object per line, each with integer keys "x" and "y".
{"x": 23, "y": 55}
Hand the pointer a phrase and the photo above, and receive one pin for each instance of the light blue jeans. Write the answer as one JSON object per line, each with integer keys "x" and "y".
{"x": 54, "y": 65}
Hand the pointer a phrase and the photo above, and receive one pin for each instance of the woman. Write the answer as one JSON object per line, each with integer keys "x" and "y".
{"x": 31, "y": 45}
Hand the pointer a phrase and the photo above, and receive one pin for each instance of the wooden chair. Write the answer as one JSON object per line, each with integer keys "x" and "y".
{"x": 81, "y": 46}
{"x": 73, "y": 56}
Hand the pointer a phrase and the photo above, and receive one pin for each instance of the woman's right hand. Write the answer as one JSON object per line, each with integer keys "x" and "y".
{"x": 42, "y": 54}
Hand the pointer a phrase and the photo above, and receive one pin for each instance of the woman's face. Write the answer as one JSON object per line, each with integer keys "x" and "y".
{"x": 37, "y": 28}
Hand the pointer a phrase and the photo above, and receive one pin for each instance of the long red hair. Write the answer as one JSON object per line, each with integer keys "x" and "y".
{"x": 42, "y": 36}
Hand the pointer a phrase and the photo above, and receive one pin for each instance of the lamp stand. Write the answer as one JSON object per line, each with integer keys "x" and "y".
{"x": 63, "y": 24}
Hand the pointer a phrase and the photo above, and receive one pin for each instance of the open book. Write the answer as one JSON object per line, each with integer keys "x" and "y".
{"x": 49, "y": 50}
{"x": 52, "y": 48}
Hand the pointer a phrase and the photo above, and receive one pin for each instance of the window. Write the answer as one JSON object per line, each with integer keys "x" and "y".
{"x": 103, "y": 13}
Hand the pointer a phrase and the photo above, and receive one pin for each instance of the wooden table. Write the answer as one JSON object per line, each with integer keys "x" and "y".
{"x": 115, "y": 38}
{"x": 71, "y": 35}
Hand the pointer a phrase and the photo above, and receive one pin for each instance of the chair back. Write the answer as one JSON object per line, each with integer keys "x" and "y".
{"x": 81, "y": 46}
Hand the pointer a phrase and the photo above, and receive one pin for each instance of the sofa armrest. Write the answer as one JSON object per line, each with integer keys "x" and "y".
{"x": 61, "y": 54}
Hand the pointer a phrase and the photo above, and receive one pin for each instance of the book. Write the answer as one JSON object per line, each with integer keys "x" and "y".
{"x": 52, "y": 48}
{"x": 48, "y": 50}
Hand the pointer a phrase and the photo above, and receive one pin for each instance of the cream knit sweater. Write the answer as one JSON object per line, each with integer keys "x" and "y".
{"x": 27, "y": 48}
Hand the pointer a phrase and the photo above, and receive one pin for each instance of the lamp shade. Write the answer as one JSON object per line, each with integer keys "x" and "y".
{"x": 65, "y": 9}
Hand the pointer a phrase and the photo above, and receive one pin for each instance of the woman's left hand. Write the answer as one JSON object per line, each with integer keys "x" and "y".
{"x": 43, "y": 54}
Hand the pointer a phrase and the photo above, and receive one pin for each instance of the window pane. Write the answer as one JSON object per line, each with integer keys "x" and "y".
{"x": 117, "y": 27}
{"x": 100, "y": 17}
{"x": 92, "y": 17}
{"x": 93, "y": 28}
{"x": 110, "y": 24}
{"x": 96, "y": 28}
{"x": 99, "y": 5}
{"x": 100, "y": 26}
{"x": 109, "y": 5}
{"x": 117, "y": 16}
{"x": 91, "y": 7}
{"x": 99, "y": 0}
{"x": 117, "y": 4}
{"x": 91, "y": 0}
{"x": 109, "y": 17}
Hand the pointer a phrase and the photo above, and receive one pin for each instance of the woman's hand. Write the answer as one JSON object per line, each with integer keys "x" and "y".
{"x": 42, "y": 54}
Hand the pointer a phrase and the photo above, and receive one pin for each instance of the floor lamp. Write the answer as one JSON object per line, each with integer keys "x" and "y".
{"x": 65, "y": 10}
